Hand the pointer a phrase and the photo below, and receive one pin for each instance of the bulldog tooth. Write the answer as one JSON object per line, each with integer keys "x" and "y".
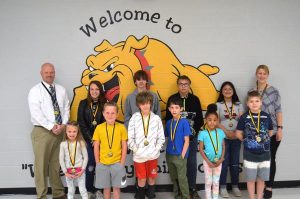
{"x": 87, "y": 87}
{"x": 91, "y": 68}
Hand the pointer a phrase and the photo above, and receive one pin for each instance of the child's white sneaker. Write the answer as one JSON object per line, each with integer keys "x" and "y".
{"x": 224, "y": 193}
{"x": 99, "y": 194}
{"x": 236, "y": 192}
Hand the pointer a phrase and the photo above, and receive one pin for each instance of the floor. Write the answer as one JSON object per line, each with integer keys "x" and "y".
{"x": 282, "y": 193}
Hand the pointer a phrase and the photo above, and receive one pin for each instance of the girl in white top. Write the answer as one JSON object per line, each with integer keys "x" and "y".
{"x": 73, "y": 159}
{"x": 229, "y": 110}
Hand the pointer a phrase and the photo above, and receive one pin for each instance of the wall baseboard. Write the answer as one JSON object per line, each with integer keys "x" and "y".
{"x": 159, "y": 188}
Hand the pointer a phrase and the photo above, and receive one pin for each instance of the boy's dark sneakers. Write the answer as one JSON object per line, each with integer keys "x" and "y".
{"x": 194, "y": 194}
{"x": 267, "y": 193}
{"x": 137, "y": 197}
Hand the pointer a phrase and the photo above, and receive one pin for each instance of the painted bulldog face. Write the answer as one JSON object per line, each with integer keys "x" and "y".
{"x": 115, "y": 65}
{"x": 112, "y": 67}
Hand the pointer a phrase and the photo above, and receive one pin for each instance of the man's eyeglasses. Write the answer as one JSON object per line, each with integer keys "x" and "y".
{"x": 183, "y": 84}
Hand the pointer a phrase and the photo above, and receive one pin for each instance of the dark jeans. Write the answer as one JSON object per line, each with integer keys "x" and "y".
{"x": 192, "y": 164}
{"x": 90, "y": 169}
{"x": 274, "y": 146}
{"x": 232, "y": 160}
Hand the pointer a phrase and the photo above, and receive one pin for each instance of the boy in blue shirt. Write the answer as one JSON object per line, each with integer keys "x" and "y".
{"x": 254, "y": 129}
{"x": 177, "y": 136}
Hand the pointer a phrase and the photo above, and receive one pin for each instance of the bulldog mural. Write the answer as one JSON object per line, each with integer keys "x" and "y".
{"x": 115, "y": 65}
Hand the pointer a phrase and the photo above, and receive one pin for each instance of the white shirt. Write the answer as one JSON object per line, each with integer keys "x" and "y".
{"x": 136, "y": 137}
{"x": 81, "y": 158}
{"x": 41, "y": 107}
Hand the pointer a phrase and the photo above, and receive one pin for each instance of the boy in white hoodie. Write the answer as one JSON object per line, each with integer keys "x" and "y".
{"x": 145, "y": 138}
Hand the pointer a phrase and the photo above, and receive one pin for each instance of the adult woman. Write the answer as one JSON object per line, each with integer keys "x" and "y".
{"x": 271, "y": 103}
{"x": 89, "y": 116}
{"x": 229, "y": 111}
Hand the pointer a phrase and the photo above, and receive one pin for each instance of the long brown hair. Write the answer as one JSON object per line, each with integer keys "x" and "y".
{"x": 101, "y": 98}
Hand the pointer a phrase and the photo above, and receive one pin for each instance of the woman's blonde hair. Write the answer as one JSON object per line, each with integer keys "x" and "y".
{"x": 79, "y": 136}
{"x": 264, "y": 67}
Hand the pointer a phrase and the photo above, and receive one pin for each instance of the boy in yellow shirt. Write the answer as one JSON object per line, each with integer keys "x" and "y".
{"x": 110, "y": 148}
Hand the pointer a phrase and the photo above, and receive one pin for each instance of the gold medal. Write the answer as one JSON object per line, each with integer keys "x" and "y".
{"x": 94, "y": 112}
{"x": 72, "y": 155}
{"x": 215, "y": 146}
{"x": 146, "y": 143}
{"x": 257, "y": 128}
{"x": 258, "y": 139}
{"x": 230, "y": 113}
{"x": 56, "y": 112}
{"x": 110, "y": 144}
{"x": 110, "y": 154}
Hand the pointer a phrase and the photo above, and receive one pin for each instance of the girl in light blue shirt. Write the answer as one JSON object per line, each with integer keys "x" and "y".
{"x": 212, "y": 149}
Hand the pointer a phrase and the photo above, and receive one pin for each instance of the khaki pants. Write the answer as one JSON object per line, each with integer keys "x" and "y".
{"x": 46, "y": 152}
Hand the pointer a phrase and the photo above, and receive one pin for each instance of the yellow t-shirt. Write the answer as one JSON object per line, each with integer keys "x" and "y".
{"x": 120, "y": 134}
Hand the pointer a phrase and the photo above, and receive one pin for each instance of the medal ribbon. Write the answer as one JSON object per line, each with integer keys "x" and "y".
{"x": 262, "y": 94}
{"x": 94, "y": 112}
{"x": 258, "y": 121}
{"x": 229, "y": 112}
{"x": 112, "y": 139}
{"x": 72, "y": 155}
{"x": 145, "y": 130}
{"x": 216, "y": 149}
{"x": 173, "y": 132}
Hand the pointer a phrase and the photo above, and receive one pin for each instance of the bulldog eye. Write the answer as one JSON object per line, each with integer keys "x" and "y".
{"x": 109, "y": 68}
{"x": 91, "y": 68}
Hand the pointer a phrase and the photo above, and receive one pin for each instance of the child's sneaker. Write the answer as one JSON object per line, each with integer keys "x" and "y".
{"x": 91, "y": 195}
{"x": 98, "y": 194}
{"x": 224, "y": 193}
{"x": 267, "y": 193}
{"x": 236, "y": 192}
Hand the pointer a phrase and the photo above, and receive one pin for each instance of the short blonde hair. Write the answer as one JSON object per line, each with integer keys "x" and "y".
{"x": 111, "y": 103}
{"x": 263, "y": 67}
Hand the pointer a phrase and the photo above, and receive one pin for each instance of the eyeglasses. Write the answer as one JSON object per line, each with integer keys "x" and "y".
{"x": 183, "y": 84}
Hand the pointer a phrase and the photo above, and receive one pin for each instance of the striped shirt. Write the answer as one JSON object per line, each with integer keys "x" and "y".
{"x": 271, "y": 104}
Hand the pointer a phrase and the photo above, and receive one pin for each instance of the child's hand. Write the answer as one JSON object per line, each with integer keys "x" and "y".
{"x": 68, "y": 175}
{"x": 211, "y": 165}
{"x": 218, "y": 162}
{"x": 77, "y": 175}
{"x": 231, "y": 135}
{"x": 122, "y": 163}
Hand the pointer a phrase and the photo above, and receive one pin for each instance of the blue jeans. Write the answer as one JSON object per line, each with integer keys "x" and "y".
{"x": 232, "y": 160}
{"x": 192, "y": 164}
{"x": 90, "y": 169}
